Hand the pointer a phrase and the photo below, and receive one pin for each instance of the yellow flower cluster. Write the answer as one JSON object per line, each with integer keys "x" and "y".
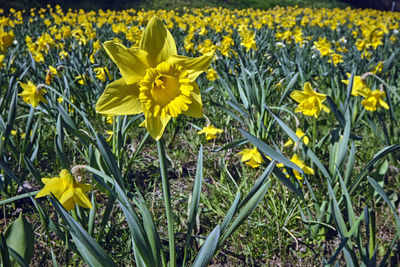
{"x": 67, "y": 30}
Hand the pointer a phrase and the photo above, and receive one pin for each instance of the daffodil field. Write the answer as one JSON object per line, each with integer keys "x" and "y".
{"x": 197, "y": 137}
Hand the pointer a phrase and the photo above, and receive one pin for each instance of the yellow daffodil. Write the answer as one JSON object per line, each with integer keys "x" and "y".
{"x": 378, "y": 68}
{"x": 252, "y": 157}
{"x": 67, "y": 190}
{"x": 32, "y": 94}
{"x": 210, "y": 132}
{"x": 359, "y": 85}
{"x": 109, "y": 119}
{"x": 81, "y": 79}
{"x": 1, "y": 61}
{"x": 336, "y": 58}
{"x": 102, "y": 73}
{"x": 310, "y": 102}
{"x": 212, "y": 75}
{"x": 307, "y": 170}
{"x": 110, "y": 133}
{"x": 51, "y": 73}
{"x": 300, "y": 134}
{"x": 155, "y": 80}
{"x": 373, "y": 100}
{"x": 295, "y": 159}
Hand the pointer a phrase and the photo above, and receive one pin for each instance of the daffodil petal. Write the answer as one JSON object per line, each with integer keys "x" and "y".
{"x": 383, "y": 104}
{"x": 308, "y": 89}
{"x": 158, "y": 42}
{"x": 119, "y": 99}
{"x": 81, "y": 199}
{"x": 155, "y": 125}
{"x": 67, "y": 199}
{"x": 308, "y": 170}
{"x": 194, "y": 66}
{"x": 326, "y": 109}
{"x": 288, "y": 143}
{"x": 195, "y": 109}
{"x": 298, "y": 96}
{"x": 52, "y": 185}
{"x": 131, "y": 62}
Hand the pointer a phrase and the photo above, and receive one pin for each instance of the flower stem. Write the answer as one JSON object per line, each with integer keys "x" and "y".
{"x": 167, "y": 202}
{"x": 314, "y": 132}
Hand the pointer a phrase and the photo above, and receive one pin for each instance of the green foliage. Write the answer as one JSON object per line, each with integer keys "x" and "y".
{"x": 20, "y": 239}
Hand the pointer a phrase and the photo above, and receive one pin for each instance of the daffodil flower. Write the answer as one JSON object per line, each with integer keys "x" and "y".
{"x": 155, "y": 80}
{"x": 359, "y": 85}
{"x": 210, "y": 132}
{"x": 373, "y": 100}
{"x": 300, "y": 134}
{"x": 296, "y": 160}
{"x": 102, "y": 73}
{"x": 252, "y": 157}
{"x": 67, "y": 190}
{"x": 310, "y": 102}
{"x": 32, "y": 94}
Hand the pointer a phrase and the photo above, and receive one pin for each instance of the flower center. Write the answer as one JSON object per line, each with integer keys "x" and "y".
{"x": 165, "y": 90}
{"x": 310, "y": 106}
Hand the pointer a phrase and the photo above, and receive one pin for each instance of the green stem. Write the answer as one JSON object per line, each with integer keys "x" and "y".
{"x": 75, "y": 215}
{"x": 167, "y": 201}
{"x": 114, "y": 139}
{"x": 314, "y": 131}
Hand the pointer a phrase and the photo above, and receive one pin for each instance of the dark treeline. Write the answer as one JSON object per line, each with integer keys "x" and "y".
{"x": 74, "y": 4}
{"x": 137, "y": 4}
{"x": 376, "y": 4}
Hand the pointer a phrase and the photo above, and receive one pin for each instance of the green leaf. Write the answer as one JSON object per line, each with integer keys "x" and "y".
{"x": 194, "y": 205}
{"x": 22, "y": 196}
{"x": 381, "y": 153}
{"x": 338, "y": 114}
{"x": 267, "y": 150}
{"x": 109, "y": 159}
{"x": 296, "y": 139}
{"x": 151, "y": 231}
{"x": 232, "y": 144}
{"x": 5, "y": 256}
{"x": 260, "y": 181}
{"x": 345, "y": 239}
{"x": 89, "y": 249}
{"x": 21, "y": 238}
{"x": 385, "y": 197}
{"x": 231, "y": 212}
{"x": 288, "y": 88}
{"x": 208, "y": 249}
{"x": 337, "y": 215}
{"x": 135, "y": 225}
{"x": 246, "y": 211}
